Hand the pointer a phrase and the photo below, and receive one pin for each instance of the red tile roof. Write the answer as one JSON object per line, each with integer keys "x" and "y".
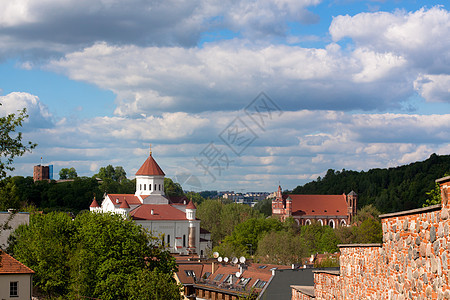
{"x": 191, "y": 205}
{"x": 94, "y": 203}
{"x": 160, "y": 212}
{"x": 131, "y": 199}
{"x": 9, "y": 265}
{"x": 150, "y": 167}
{"x": 124, "y": 204}
{"x": 319, "y": 205}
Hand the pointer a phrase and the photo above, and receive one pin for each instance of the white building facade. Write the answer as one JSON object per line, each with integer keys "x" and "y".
{"x": 175, "y": 223}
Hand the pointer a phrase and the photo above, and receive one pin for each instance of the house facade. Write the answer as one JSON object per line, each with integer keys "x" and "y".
{"x": 332, "y": 210}
{"x": 174, "y": 221}
{"x": 16, "y": 279}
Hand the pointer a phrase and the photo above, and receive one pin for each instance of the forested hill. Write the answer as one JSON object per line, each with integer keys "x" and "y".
{"x": 390, "y": 190}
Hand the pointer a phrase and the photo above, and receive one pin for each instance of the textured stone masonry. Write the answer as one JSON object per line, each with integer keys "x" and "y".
{"x": 411, "y": 263}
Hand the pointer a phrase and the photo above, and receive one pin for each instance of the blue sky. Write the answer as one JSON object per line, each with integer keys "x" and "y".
{"x": 346, "y": 85}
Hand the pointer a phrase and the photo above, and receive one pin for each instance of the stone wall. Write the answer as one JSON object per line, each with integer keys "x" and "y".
{"x": 411, "y": 263}
{"x": 327, "y": 285}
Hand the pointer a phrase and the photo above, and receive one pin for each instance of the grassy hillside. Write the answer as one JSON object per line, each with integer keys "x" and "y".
{"x": 390, "y": 190}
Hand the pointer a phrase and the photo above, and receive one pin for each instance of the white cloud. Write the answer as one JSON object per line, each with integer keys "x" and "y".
{"x": 38, "y": 114}
{"x": 434, "y": 88}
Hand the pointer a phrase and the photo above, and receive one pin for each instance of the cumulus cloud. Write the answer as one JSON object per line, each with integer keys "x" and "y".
{"x": 39, "y": 116}
{"x": 51, "y": 26}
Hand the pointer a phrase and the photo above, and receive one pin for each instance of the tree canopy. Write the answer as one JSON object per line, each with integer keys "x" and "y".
{"x": 68, "y": 173}
{"x": 95, "y": 255}
{"x": 11, "y": 144}
{"x": 390, "y": 190}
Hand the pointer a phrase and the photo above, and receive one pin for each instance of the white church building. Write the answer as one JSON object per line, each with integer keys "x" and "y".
{"x": 150, "y": 208}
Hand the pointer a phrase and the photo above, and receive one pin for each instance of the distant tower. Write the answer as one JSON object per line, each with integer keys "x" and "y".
{"x": 190, "y": 215}
{"x": 277, "y": 203}
{"x": 352, "y": 201}
{"x": 41, "y": 173}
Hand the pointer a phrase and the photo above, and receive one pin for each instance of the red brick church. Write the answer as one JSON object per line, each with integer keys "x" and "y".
{"x": 332, "y": 210}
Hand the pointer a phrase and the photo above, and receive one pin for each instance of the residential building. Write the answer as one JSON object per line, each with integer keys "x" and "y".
{"x": 332, "y": 210}
{"x": 16, "y": 279}
{"x": 174, "y": 221}
{"x": 211, "y": 279}
{"x": 12, "y": 219}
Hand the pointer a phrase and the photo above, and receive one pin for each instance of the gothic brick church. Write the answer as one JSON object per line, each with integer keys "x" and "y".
{"x": 332, "y": 210}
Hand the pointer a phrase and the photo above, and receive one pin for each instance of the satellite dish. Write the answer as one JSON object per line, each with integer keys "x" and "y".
{"x": 225, "y": 259}
{"x": 242, "y": 260}
{"x": 238, "y": 274}
{"x": 216, "y": 254}
{"x": 219, "y": 259}
{"x": 234, "y": 260}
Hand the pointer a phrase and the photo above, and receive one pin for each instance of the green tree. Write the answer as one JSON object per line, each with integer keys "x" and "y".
{"x": 172, "y": 188}
{"x": 116, "y": 174}
{"x": 68, "y": 173}
{"x": 149, "y": 285}
{"x": 281, "y": 247}
{"x": 11, "y": 144}
{"x": 264, "y": 207}
{"x": 96, "y": 255}
{"x": 246, "y": 235}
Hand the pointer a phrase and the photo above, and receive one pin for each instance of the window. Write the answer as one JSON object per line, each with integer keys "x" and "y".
{"x": 168, "y": 239}
{"x": 206, "y": 275}
{"x": 159, "y": 186}
{"x": 218, "y": 277}
{"x": 184, "y": 240}
{"x": 244, "y": 281}
{"x": 155, "y": 186}
{"x": 14, "y": 289}
{"x": 149, "y": 186}
{"x": 145, "y": 186}
{"x": 227, "y": 280}
{"x": 259, "y": 284}
{"x": 190, "y": 273}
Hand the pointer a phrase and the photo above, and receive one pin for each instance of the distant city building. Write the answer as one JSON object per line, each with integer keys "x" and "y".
{"x": 332, "y": 210}
{"x": 41, "y": 173}
{"x": 149, "y": 207}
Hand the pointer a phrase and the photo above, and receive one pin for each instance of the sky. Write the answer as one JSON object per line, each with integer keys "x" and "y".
{"x": 231, "y": 95}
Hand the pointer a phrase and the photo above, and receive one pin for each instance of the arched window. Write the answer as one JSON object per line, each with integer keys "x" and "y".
{"x": 321, "y": 222}
{"x": 298, "y": 222}
{"x": 343, "y": 223}
{"x": 331, "y": 223}
{"x": 308, "y": 222}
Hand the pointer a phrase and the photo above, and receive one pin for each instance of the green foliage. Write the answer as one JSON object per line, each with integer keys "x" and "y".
{"x": 433, "y": 196}
{"x": 172, "y": 188}
{"x": 281, "y": 247}
{"x": 9, "y": 197}
{"x": 150, "y": 285}
{"x": 329, "y": 262}
{"x": 390, "y": 190}
{"x": 11, "y": 144}
{"x": 116, "y": 174}
{"x": 66, "y": 173}
{"x": 264, "y": 207}
{"x": 195, "y": 197}
{"x": 245, "y": 237}
{"x": 96, "y": 255}
{"x": 319, "y": 239}
{"x": 220, "y": 219}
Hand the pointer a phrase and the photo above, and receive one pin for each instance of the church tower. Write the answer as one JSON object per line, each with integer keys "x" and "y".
{"x": 150, "y": 182}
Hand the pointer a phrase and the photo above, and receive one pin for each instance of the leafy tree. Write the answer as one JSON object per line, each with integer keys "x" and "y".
{"x": 44, "y": 246}
{"x": 281, "y": 247}
{"x": 96, "y": 255}
{"x": 11, "y": 142}
{"x": 116, "y": 174}
{"x": 246, "y": 235}
{"x": 319, "y": 239}
{"x": 264, "y": 207}
{"x": 68, "y": 173}
{"x": 9, "y": 197}
{"x": 149, "y": 285}
{"x": 172, "y": 188}
{"x": 195, "y": 197}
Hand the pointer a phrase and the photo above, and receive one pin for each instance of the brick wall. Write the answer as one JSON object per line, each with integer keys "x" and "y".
{"x": 411, "y": 263}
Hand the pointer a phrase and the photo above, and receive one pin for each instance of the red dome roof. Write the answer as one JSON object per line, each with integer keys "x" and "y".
{"x": 150, "y": 167}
